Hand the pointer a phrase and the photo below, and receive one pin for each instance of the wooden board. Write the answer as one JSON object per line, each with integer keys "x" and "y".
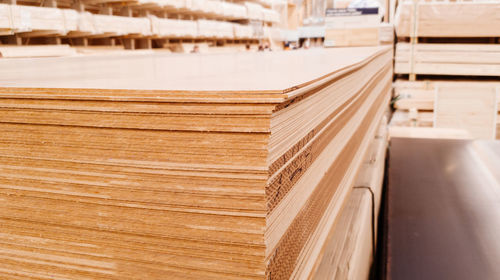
{"x": 420, "y": 95}
{"x": 428, "y": 132}
{"x": 191, "y": 166}
{"x": 349, "y": 252}
{"x": 421, "y": 125}
{"x": 352, "y": 37}
{"x": 475, "y": 112}
{"x": 448, "y": 19}
{"x": 123, "y": 73}
{"x": 448, "y": 59}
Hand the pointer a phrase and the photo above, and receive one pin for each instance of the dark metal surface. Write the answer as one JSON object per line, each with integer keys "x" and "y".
{"x": 443, "y": 219}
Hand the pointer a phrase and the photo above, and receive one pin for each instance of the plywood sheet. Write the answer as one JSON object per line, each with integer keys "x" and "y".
{"x": 476, "y": 112}
{"x": 177, "y": 73}
{"x": 420, "y": 95}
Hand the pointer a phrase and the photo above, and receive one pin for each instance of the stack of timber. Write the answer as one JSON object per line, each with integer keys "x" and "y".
{"x": 450, "y": 54}
{"x": 27, "y": 21}
{"x": 171, "y": 166}
{"x": 347, "y": 27}
{"x": 420, "y": 97}
{"x": 448, "y": 38}
{"x": 234, "y": 11}
{"x": 448, "y": 59}
{"x": 133, "y": 23}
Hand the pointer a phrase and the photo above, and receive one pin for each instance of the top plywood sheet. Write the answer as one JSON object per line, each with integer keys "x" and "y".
{"x": 277, "y": 72}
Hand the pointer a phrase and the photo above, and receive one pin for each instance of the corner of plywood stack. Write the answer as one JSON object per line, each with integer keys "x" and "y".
{"x": 447, "y": 62}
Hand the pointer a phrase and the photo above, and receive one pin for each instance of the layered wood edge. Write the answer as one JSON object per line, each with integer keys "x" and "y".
{"x": 349, "y": 249}
{"x": 311, "y": 210}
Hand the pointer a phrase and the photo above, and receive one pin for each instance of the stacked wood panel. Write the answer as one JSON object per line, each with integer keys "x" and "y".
{"x": 160, "y": 170}
{"x": 350, "y": 248}
{"x": 28, "y": 21}
{"x": 133, "y": 24}
{"x": 448, "y": 49}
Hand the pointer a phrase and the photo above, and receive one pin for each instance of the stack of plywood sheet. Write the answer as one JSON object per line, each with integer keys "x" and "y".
{"x": 421, "y": 98}
{"x": 6, "y": 27}
{"x": 119, "y": 25}
{"x": 349, "y": 250}
{"x": 449, "y": 41}
{"x": 182, "y": 167}
{"x": 233, "y": 11}
{"x": 214, "y": 8}
{"x": 270, "y": 15}
{"x": 215, "y": 29}
{"x": 421, "y": 21}
{"x": 186, "y": 28}
{"x": 28, "y": 21}
{"x": 139, "y": 20}
{"x": 352, "y": 27}
{"x": 386, "y": 33}
{"x": 254, "y": 11}
{"x": 174, "y": 4}
{"x": 243, "y": 31}
{"x": 165, "y": 27}
{"x": 40, "y": 21}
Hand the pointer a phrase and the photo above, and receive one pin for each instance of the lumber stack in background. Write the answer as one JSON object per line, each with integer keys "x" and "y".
{"x": 420, "y": 97}
{"x": 447, "y": 19}
{"x": 448, "y": 49}
{"x": 448, "y": 59}
{"x": 141, "y": 167}
{"x": 137, "y": 24}
{"x": 347, "y": 27}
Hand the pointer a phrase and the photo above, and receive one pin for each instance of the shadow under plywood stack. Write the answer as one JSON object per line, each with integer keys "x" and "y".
{"x": 447, "y": 61}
